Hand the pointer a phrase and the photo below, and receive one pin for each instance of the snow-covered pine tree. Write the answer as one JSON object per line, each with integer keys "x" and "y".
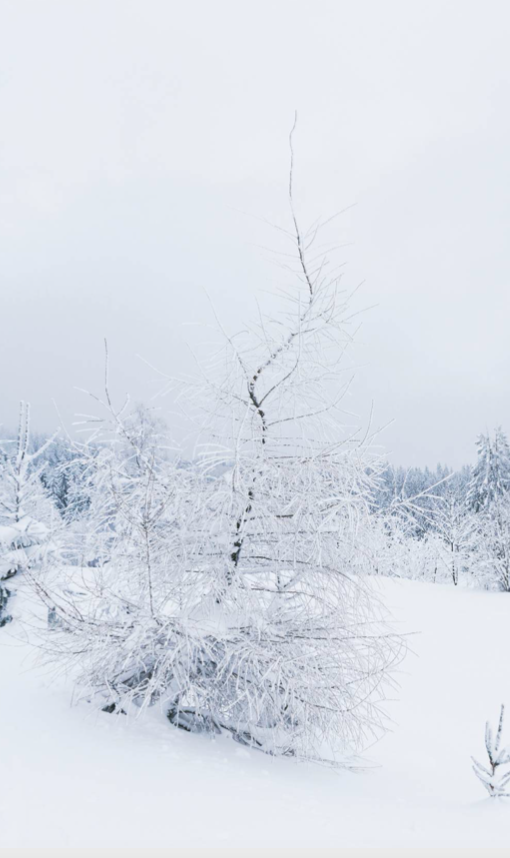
{"x": 489, "y": 498}
{"x": 25, "y": 510}
{"x": 495, "y": 782}
{"x": 491, "y": 475}
{"x": 64, "y": 477}
{"x": 492, "y": 549}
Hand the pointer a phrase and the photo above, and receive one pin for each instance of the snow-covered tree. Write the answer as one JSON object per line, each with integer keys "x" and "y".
{"x": 491, "y": 558}
{"x": 126, "y": 539}
{"x": 64, "y": 477}
{"x": 491, "y": 475}
{"x": 455, "y": 524}
{"x": 412, "y": 523}
{"x": 398, "y": 552}
{"x": 489, "y": 498}
{"x": 282, "y": 542}
{"x": 25, "y": 510}
{"x": 415, "y": 490}
{"x": 234, "y": 592}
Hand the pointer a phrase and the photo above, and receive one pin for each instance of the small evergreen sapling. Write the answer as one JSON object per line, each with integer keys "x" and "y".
{"x": 493, "y": 780}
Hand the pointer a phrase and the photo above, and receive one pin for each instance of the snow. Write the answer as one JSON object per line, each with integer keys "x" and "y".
{"x": 72, "y": 776}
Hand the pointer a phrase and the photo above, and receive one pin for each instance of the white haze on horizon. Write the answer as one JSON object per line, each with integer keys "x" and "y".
{"x": 133, "y": 135}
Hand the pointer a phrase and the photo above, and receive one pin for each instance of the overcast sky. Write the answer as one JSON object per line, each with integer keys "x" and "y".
{"x": 133, "y": 134}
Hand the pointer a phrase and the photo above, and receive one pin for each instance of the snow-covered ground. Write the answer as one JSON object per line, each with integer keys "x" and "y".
{"x": 72, "y": 778}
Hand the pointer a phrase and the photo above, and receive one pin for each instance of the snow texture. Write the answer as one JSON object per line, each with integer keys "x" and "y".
{"x": 84, "y": 778}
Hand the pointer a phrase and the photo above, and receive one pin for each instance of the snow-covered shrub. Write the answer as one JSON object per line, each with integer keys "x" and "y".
{"x": 448, "y": 545}
{"x": 398, "y": 552}
{"x": 22, "y": 545}
{"x": 496, "y": 782}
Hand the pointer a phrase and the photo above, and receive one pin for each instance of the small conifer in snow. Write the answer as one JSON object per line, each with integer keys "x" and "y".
{"x": 495, "y": 782}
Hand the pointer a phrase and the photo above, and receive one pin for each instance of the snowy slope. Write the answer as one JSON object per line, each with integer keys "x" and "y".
{"x": 70, "y": 777}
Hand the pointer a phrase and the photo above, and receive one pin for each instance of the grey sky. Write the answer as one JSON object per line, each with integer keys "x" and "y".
{"x": 132, "y": 133}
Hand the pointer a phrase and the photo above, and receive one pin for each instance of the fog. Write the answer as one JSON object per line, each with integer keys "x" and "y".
{"x": 142, "y": 144}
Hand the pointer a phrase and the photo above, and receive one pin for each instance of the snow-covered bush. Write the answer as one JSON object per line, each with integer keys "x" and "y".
{"x": 496, "y": 782}
{"x": 398, "y": 553}
{"x": 22, "y": 545}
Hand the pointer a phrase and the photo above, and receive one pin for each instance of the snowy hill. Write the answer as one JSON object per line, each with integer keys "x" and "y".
{"x": 90, "y": 779}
